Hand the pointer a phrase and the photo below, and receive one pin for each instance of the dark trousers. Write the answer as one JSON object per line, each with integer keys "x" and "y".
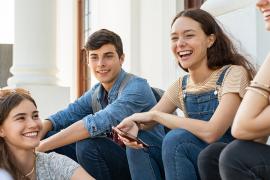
{"x": 100, "y": 157}
{"x": 239, "y": 160}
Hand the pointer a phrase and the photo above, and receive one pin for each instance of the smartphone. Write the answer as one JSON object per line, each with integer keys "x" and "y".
{"x": 129, "y": 136}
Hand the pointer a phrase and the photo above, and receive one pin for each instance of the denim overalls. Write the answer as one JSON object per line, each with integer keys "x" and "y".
{"x": 180, "y": 147}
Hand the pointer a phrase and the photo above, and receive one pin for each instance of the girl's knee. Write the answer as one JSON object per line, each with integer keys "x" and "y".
{"x": 177, "y": 136}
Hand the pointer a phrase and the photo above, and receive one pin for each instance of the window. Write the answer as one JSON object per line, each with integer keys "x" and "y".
{"x": 84, "y": 28}
{"x": 193, "y": 3}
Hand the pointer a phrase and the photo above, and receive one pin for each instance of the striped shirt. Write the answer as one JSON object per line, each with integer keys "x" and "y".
{"x": 235, "y": 81}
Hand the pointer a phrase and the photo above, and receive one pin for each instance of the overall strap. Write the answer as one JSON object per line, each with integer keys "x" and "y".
{"x": 124, "y": 82}
{"x": 221, "y": 76}
{"x": 184, "y": 82}
{"x": 96, "y": 106}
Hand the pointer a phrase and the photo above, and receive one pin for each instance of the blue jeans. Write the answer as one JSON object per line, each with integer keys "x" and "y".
{"x": 180, "y": 150}
{"x": 103, "y": 158}
{"x": 99, "y": 156}
{"x": 147, "y": 163}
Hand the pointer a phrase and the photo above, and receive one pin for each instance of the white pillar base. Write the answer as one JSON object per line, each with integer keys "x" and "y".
{"x": 49, "y": 99}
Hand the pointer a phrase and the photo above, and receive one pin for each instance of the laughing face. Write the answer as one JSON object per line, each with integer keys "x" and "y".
{"x": 21, "y": 128}
{"x": 105, "y": 64}
{"x": 264, "y": 6}
{"x": 189, "y": 43}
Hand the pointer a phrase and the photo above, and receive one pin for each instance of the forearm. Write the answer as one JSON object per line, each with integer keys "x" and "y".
{"x": 71, "y": 134}
{"x": 204, "y": 130}
{"x": 248, "y": 127}
{"x": 168, "y": 120}
{"x": 201, "y": 129}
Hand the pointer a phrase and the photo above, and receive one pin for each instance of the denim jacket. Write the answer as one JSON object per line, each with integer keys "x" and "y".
{"x": 136, "y": 96}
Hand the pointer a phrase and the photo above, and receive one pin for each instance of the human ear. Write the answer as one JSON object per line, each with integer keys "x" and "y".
{"x": 211, "y": 40}
{"x": 122, "y": 58}
{"x": 2, "y": 132}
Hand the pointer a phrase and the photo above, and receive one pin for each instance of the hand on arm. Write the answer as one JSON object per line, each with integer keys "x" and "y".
{"x": 71, "y": 134}
{"x": 252, "y": 119}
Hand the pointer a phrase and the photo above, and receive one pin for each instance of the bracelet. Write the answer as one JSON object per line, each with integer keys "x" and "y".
{"x": 261, "y": 86}
{"x": 257, "y": 91}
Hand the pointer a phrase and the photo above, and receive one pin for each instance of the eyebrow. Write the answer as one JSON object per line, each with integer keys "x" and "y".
{"x": 185, "y": 31}
{"x": 92, "y": 54}
{"x": 106, "y": 53}
{"x": 23, "y": 114}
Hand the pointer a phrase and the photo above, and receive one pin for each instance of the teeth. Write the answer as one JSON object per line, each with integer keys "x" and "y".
{"x": 182, "y": 53}
{"x": 31, "y": 134}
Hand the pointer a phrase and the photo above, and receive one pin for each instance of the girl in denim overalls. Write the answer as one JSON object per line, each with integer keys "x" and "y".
{"x": 209, "y": 96}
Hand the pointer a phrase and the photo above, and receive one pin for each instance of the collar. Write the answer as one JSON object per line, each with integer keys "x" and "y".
{"x": 114, "y": 90}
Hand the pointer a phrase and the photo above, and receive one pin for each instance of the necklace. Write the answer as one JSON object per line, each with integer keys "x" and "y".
{"x": 28, "y": 174}
{"x": 33, "y": 169}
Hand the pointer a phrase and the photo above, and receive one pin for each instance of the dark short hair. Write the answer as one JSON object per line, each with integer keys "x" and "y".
{"x": 102, "y": 37}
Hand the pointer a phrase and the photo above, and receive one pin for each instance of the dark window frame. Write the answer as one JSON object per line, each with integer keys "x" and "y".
{"x": 83, "y": 82}
{"x": 193, "y": 3}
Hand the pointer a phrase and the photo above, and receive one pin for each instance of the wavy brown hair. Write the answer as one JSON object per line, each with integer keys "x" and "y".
{"x": 9, "y": 99}
{"x": 222, "y": 52}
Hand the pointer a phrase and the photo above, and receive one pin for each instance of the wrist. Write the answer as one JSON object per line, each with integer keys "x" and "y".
{"x": 154, "y": 115}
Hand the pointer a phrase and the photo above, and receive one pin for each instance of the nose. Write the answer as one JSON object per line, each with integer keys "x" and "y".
{"x": 181, "y": 42}
{"x": 32, "y": 123}
{"x": 101, "y": 62}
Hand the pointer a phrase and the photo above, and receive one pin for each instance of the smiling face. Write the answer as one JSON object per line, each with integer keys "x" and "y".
{"x": 189, "y": 43}
{"x": 264, "y": 7}
{"x": 21, "y": 128}
{"x": 105, "y": 64}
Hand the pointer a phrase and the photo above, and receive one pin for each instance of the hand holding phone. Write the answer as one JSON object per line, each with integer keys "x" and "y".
{"x": 129, "y": 136}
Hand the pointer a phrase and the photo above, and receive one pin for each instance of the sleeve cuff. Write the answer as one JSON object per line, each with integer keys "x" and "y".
{"x": 90, "y": 126}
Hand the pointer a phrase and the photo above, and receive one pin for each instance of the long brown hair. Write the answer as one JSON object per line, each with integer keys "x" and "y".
{"x": 9, "y": 99}
{"x": 222, "y": 52}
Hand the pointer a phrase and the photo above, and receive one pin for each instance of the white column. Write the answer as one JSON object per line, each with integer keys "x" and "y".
{"x": 34, "y": 54}
{"x": 157, "y": 62}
